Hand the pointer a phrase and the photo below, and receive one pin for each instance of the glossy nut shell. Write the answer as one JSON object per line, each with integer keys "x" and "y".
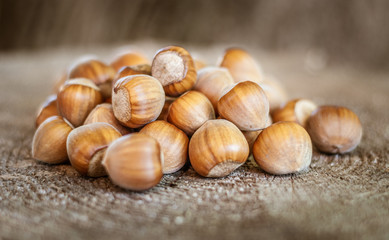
{"x": 245, "y": 105}
{"x": 173, "y": 143}
{"x": 76, "y": 98}
{"x": 49, "y": 142}
{"x": 137, "y": 100}
{"x": 92, "y": 69}
{"x": 134, "y": 162}
{"x": 334, "y": 129}
{"x": 217, "y": 148}
{"x": 283, "y": 148}
{"x": 190, "y": 111}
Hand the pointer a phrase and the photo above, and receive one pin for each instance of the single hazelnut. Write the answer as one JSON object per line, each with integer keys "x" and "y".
{"x": 251, "y": 136}
{"x": 211, "y": 81}
{"x": 128, "y": 59}
{"x": 245, "y": 104}
{"x": 104, "y": 113}
{"x": 242, "y": 65}
{"x": 282, "y": 148}
{"x": 165, "y": 109}
{"x": 334, "y": 129}
{"x": 297, "y": 110}
{"x": 49, "y": 142}
{"x": 92, "y": 69}
{"x": 47, "y": 109}
{"x": 174, "y": 68}
{"x": 86, "y": 146}
{"x": 100, "y": 73}
{"x": 134, "y": 162}
{"x": 275, "y": 92}
{"x": 173, "y": 143}
{"x": 76, "y": 98}
{"x": 132, "y": 70}
{"x": 190, "y": 111}
{"x": 137, "y": 100}
{"x": 217, "y": 148}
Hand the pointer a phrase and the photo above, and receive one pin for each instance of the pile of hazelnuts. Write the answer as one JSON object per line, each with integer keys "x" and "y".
{"x": 135, "y": 121}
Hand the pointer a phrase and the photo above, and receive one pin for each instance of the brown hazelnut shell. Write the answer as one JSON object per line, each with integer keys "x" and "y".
{"x": 137, "y": 100}
{"x": 49, "y": 141}
{"x": 245, "y": 105}
{"x": 217, "y": 148}
{"x": 282, "y": 148}
{"x": 334, "y": 129}
{"x": 134, "y": 162}
{"x": 173, "y": 143}
{"x": 76, "y": 98}
{"x": 190, "y": 111}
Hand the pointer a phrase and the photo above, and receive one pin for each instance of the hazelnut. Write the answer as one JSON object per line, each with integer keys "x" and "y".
{"x": 245, "y": 104}
{"x": 92, "y": 69}
{"x": 165, "y": 109}
{"x": 95, "y": 70}
{"x": 174, "y": 68}
{"x": 241, "y": 65}
{"x": 104, "y": 113}
{"x": 173, "y": 143}
{"x": 211, "y": 81}
{"x": 129, "y": 59}
{"x": 47, "y": 109}
{"x": 76, "y": 98}
{"x": 137, "y": 100}
{"x": 86, "y": 146}
{"x": 275, "y": 92}
{"x": 134, "y": 162}
{"x": 132, "y": 70}
{"x": 49, "y": 142}
{"x": 190, "y": 111}
{"x": 334, "y": 129}
{"x": 282, "y": 148}
{"x": 217, "y": 148}
{"x": 297, "y": 110}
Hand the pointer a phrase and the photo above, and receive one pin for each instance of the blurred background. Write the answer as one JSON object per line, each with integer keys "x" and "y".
{"x": 355, "y": 32}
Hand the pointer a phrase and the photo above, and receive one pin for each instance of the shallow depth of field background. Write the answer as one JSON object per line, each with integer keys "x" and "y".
{"x": 351, "y": 32}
